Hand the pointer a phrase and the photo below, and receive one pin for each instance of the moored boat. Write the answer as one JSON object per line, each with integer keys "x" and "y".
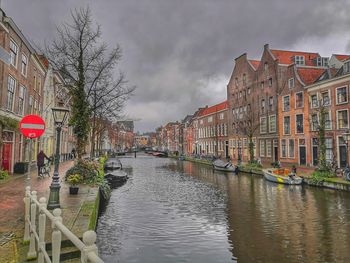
{"x": 160, "y": 154}
{"x": 282, "y": 176}
{"x": 220, "y": 165}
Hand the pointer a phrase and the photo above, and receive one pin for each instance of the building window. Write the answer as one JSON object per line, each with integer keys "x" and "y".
{"x": 262, "y": 84}
{"x": 270, "y": 82}
{"x": 21, "y": 98}
{"x": 221, "y": 116}
{"x": 291, "y": 83}
{"x": 11, "y": 85}
{"x": 314, "y": 122}
{"x": 314, "y": 101}
{"x": 347, "y": 67}
{"x": 244, "y": 79}
{"x": 263, "y": 124}
{"x": 248, "y": 91}
{"x": 342, "y": 95}
{"x": 262, "y": 105}
{"x": 266, "y": 66}
{"x": 299, "y": 122}
{"x": 299, "y": 60}
{"x": 240, "y": 94}
{"x": 283, "y": 148}
{"x": 201, "y": 122}
{"x": 272, "y": 123}
{"x": 24, "y": 65}
{"x": 210, "y": 119}
{"x": 299, "y": 99}
{"x": 286, "y": 103}
{"x": 328, "y": 122}
{"x": 286, "y": 125}
{"x": 291, "y": 148}
{"x": 325, "y": 98}
{"x": 329, "y": 150}
{"x": 13, "y": 53}
{"x": 262, "y": 148}
{"x": 268, "y": 148}
{"x": 270, "y": 103}
{"x": 236, "y": 82}
{"x": 342, "y": 119}
{"x": 30, "y": 105}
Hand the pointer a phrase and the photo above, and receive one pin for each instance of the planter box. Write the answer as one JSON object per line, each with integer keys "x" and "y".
{"x": 20, "y": 168}
{"x": 73, "y": 190}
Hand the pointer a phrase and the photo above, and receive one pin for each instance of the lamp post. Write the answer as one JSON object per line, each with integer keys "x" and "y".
{"x": 59, "y": 115}
{"x": 346, "y": 138}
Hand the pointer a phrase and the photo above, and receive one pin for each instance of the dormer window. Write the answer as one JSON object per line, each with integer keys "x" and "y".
{"x": 299, "y": 60}
{"x": 347, "y": 67}
{"x": 291, "y": 83}
{"x": 322, "y": 62}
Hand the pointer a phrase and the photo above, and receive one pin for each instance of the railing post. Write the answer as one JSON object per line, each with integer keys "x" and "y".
{"x": 89, "y": 239}
{"x": 56, "y": 236}
{"x": 42, "y": 225}
{"x": 32, "y": 247}
{"x": 26, "y": 200}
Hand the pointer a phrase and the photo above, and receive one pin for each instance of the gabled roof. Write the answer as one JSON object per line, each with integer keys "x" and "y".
{"x": 342, "y": 57}
{"x": 255, "y": 63}
{"x": 218, "y": 107}
{"x": 286, "y": 57}
{"x": 310, "y": 75}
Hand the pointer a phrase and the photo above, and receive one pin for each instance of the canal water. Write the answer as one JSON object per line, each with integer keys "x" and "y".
{"x": 174, "y": 211}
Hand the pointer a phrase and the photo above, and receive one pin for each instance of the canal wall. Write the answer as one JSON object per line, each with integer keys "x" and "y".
{"x": 330, "y": 183}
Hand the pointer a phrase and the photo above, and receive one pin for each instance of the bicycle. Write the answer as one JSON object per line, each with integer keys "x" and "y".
{"x": 45, "y": 170}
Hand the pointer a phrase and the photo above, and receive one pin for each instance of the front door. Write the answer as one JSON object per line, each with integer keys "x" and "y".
{"x": 314, "y": 155}
{"x": 342, "y": 155}
{"x": 7, "y": 156}
{"x": 302, "y": 155}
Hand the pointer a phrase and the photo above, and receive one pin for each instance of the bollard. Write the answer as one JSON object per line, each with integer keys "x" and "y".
{"x": 26, "y": 200}
{"x": 89, "y": 239}
{"x": 32, "y": 245}
{"x": 56, "y": 236}
{"x": 42, "y": 225}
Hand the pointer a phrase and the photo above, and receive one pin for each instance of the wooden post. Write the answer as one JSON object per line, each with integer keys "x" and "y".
{"x": 32, "y": 245}
{"x": 26, "y": 214}
{"x": 89, "y": 239}
{"x": 42, "y": 225}
{"x": 56, "y": 236}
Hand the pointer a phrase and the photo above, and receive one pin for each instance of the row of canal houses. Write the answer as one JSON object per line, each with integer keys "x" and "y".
{"x": 277, "y": 99}
{"x": 28, "y": 85}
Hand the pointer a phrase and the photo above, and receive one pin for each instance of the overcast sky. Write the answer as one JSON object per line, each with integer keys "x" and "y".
{"x": 180, "y": 53}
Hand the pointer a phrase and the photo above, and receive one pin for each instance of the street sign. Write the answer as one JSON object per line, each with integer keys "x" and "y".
{"x": 32, "y": 126}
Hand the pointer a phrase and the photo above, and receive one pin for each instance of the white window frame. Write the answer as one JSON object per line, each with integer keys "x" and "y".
{"x": 329, "y": 96}
{"x": 290, "y": 128}
{"x": 262, "y": 132}
{"x": 274, "y": 130}
{"x": 347, "y": 95}
{"x": 338, "y": 118}
{"x": 26, "y": 65}
{"x": 295, "y": 119}
{"x": 311, "y": 102}
{"x": 262, "y": 143}
{"x": 291, "y": 83}
{"x": 268, "y": 148}
{"x": 13, "y": 92}
{"x": 299, "y": 60}
{"x": 330, "y": 121}
{"x": 210, "y": 119}
{"x": 16, "y": 54}
{"x": 221, "y": 116}
{"x": 295, "y": 99}
{"x": 288, "y": 148}
{"x": 286, "y": 156}
{"x": 283, "y": 109}
{"x": 22, "y": 89}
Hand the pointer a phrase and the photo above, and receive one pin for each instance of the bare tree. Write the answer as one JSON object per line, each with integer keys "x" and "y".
{"x": 87, "y": 66}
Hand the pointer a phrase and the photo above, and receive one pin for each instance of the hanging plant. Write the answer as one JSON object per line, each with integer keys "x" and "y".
{"x": 8, "y": 123}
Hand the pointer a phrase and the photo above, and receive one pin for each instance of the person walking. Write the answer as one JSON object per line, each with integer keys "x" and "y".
{"x": 40, "y": 161}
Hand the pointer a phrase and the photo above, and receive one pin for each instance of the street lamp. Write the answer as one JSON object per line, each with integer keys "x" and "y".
{"x": 60, "y": 116}
{"x": 346, "y": 138}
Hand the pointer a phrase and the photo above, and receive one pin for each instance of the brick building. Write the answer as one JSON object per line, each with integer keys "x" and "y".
{"x": 212, "y": 130}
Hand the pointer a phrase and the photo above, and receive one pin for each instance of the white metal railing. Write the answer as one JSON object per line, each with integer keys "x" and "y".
{"x": 36, "y": 239}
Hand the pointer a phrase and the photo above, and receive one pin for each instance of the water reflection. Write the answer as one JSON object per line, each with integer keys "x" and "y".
{"x": 173, "y": 211}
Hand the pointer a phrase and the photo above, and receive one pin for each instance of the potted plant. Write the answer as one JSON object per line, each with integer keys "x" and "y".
{"x": 74, "y": 180}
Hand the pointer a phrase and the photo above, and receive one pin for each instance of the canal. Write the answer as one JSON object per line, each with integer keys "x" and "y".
{"x": 173, "y": 211}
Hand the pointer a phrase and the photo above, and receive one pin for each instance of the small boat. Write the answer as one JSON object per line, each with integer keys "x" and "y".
{"x": 116, "y": 178}
{"x": 160, "y": 154}
{"x": 220, "y": 165}
{"x": 282, "y": 176}
{"x": 181, "y": 158}
{"x": 113, "y": 164}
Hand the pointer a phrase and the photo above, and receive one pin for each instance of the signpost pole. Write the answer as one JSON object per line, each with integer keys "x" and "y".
{"x": 29, "y": 161}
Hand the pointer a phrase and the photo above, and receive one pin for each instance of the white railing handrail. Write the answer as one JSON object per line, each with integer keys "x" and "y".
{"x": 36, "y": 238}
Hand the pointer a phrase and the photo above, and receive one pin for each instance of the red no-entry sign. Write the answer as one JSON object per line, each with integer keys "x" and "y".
{"x": 32, "y": 126}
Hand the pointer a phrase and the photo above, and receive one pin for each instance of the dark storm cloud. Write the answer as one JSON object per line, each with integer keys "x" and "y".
{"x": 180, "y": 53}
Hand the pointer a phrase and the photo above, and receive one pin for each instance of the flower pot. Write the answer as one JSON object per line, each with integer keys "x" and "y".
{"x": 73, "y": 190}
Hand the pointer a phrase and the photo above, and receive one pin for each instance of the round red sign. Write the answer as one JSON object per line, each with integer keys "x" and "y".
{"x": 32, "y": 126}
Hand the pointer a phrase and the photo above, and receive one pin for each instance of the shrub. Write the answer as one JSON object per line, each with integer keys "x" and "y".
{"x": 4, "y": 174}
{"x": 254, "y": 164}
{"x": 318, "y": 176}
{"x": 74, "y": 179}
{"x": 88, "y": 170}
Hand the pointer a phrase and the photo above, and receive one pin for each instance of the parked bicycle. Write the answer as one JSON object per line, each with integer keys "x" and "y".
{"x": 45, "y": 170}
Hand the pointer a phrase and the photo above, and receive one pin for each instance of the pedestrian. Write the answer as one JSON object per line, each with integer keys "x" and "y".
{"x": 73, "y": 153}
{"x": 40, "y": 161}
